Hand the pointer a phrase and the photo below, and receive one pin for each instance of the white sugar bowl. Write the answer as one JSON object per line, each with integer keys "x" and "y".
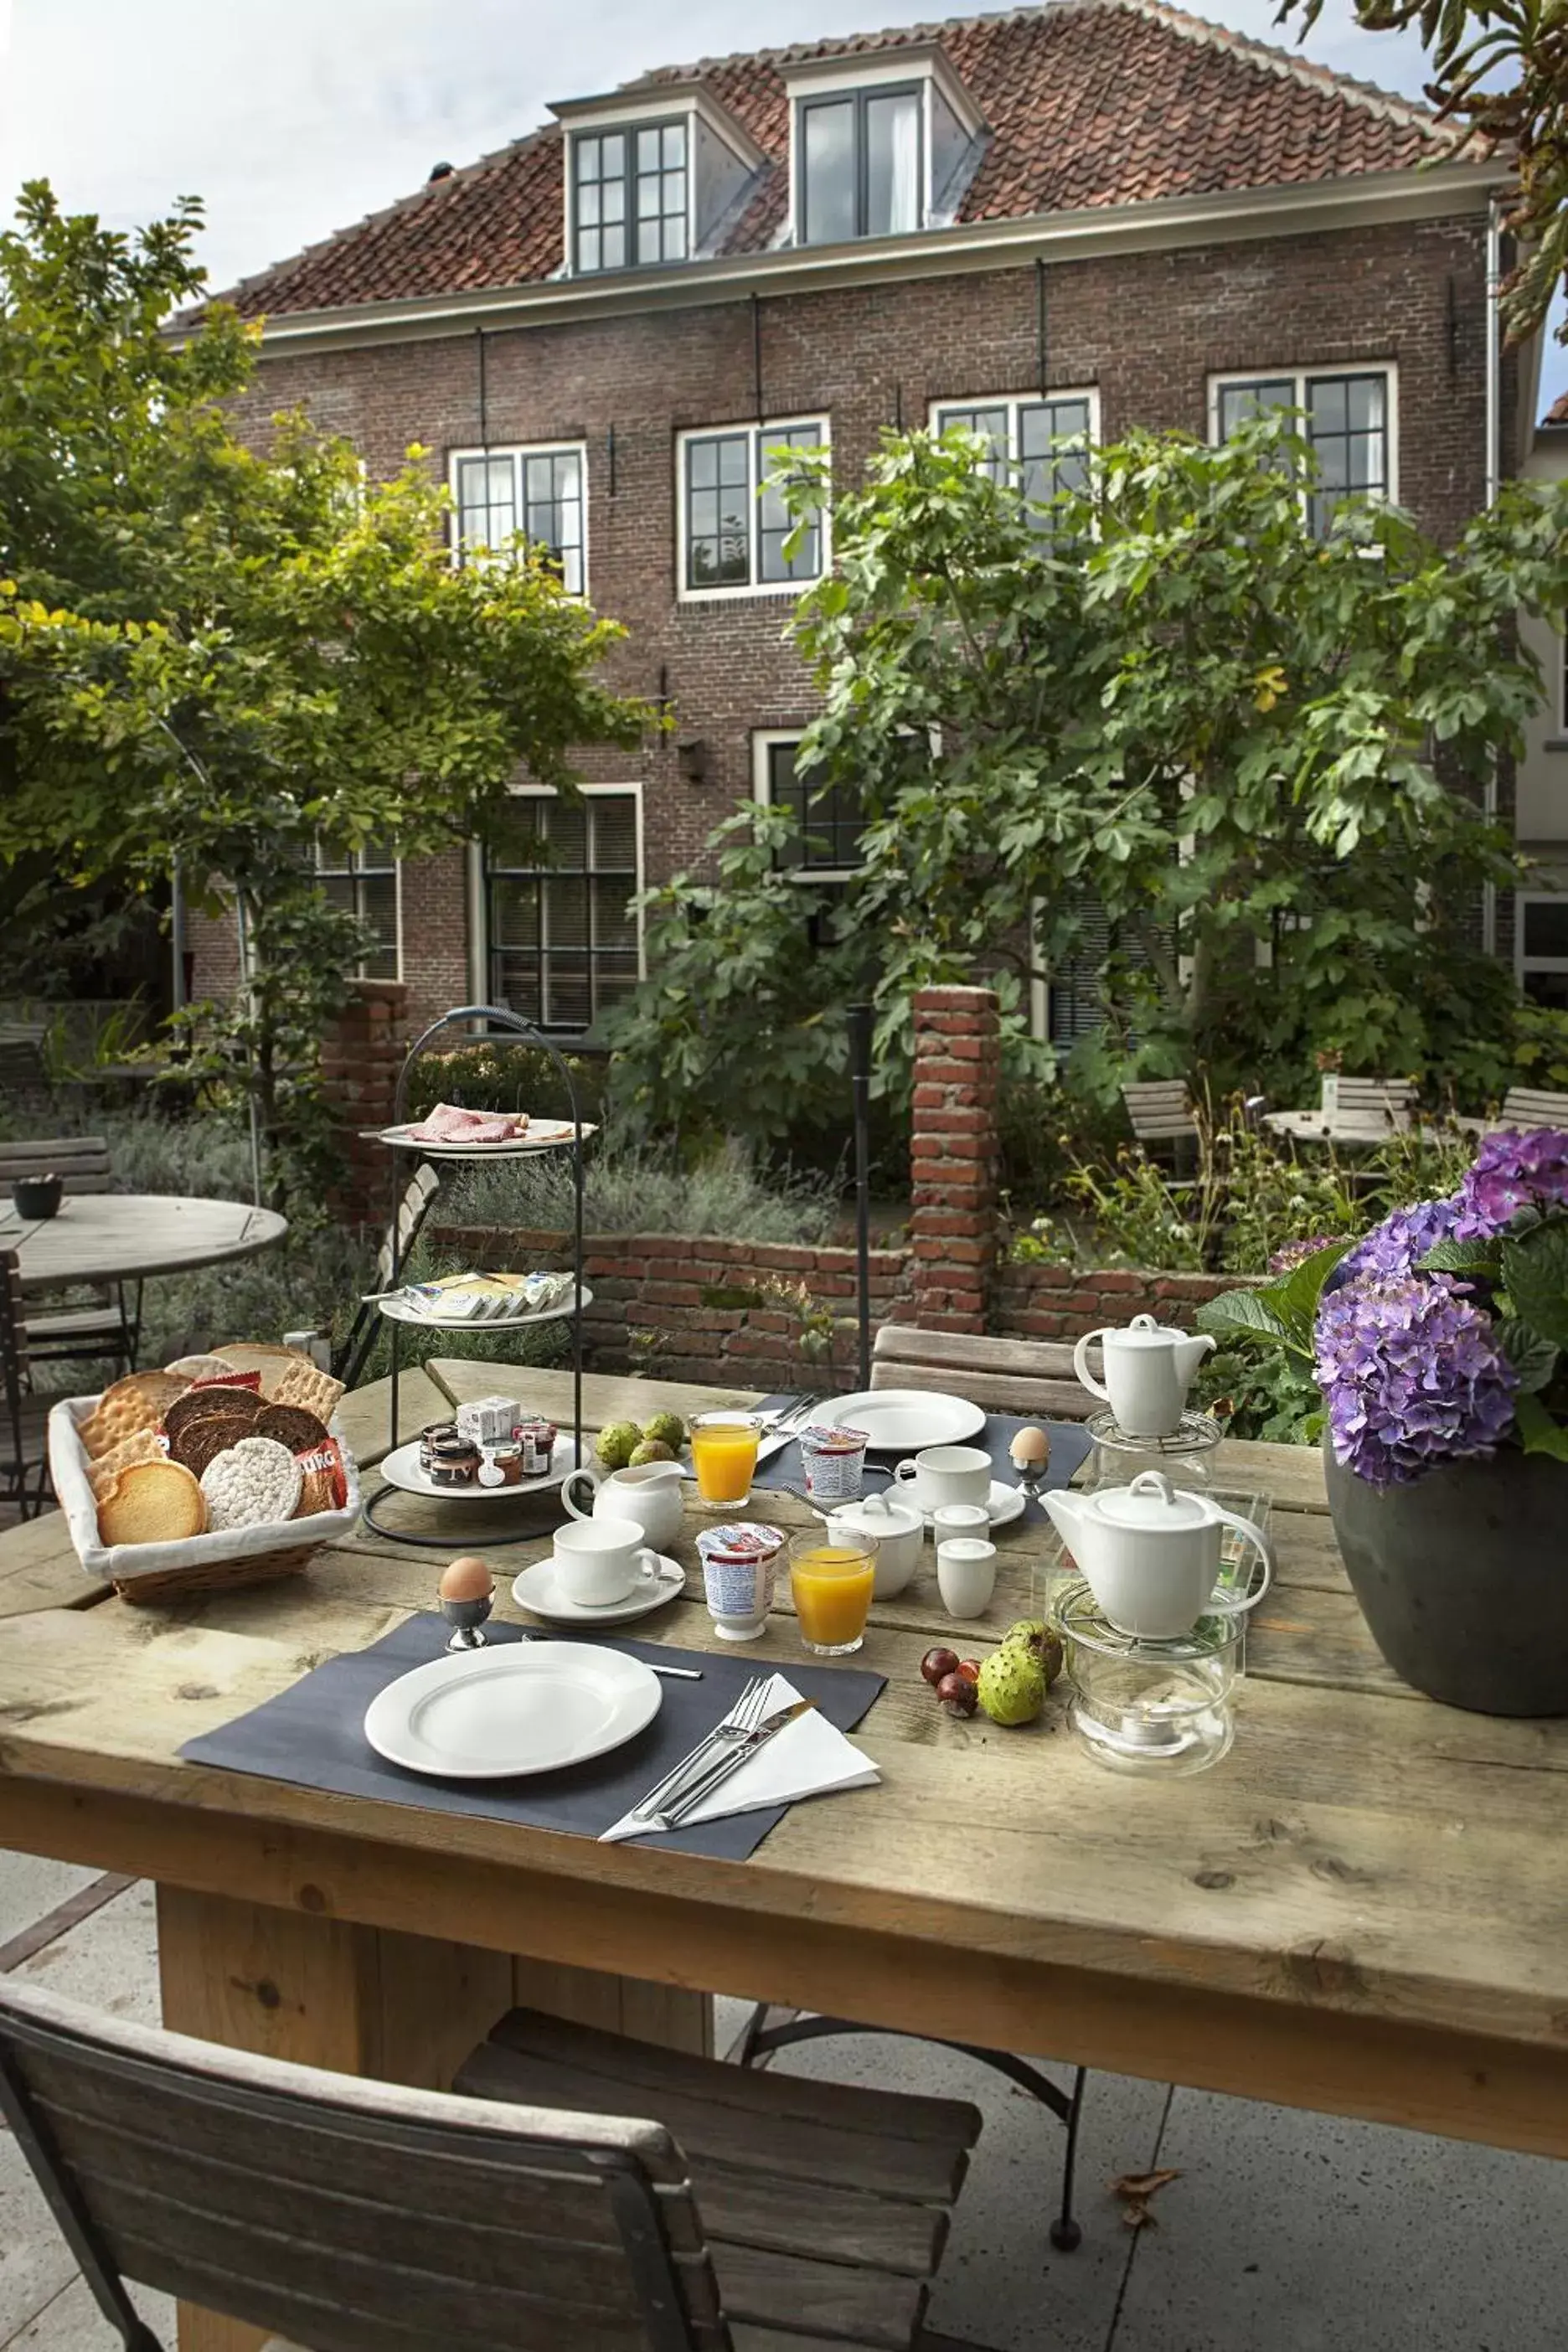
{"x": 899, "y": 1531}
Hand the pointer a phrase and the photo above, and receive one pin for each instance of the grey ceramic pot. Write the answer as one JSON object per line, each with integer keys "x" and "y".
{"x": 1463, "y": 1578}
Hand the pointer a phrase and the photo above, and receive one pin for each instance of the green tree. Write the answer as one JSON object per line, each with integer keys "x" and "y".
{"x": 1169, "y": 703}
{"x": 222, "y": 658}
{"x": 1499, "y": 69}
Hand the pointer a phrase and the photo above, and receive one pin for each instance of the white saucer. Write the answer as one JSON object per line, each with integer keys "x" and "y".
{"x": 536, "y": 1589}
{"x": 1004, "y": 1503}
{"x": 401, "y": 1468}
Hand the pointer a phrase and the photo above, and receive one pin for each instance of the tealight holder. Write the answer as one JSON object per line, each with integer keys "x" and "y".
{"x": 1147, "y": 1707}
{"x": 1184, "y": 1457}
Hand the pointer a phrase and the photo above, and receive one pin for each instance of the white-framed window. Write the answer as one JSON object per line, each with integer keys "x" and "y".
{"x": 562, "y": 939}
{"x": 877, "y": 150}
{"x": 829, "y": 822}
{"x": 1042, "y": 444}
{"x": 368, "y": 883}
{"x": 1541, "y": 946}
{"x": 1349, "y": 418}
{"x": 541, "y": 490}
{"x": 733, "y": 525}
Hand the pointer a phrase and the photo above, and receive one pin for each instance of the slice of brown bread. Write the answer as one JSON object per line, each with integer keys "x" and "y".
{"x": 152, "y": 1502}
{"x": 292, "y": 1426}
{"x": 199, "y": 1442}
{"x": 200, "y": 1405}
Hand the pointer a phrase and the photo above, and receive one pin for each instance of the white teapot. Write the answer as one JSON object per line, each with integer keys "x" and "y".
{"x": 1150, "y": 1553}
{"x": 648, "y": 1495}
{"x": 1148, "y": 1370}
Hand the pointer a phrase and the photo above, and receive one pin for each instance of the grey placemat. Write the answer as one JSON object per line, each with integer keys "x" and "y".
{"x": 311, "y": 1735}
{"x": 1071, "y": 1444}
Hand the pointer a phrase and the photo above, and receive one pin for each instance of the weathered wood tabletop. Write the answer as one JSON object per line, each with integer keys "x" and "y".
{"x": 121, "y": 1236}
{"x": 1359, "y": 1910}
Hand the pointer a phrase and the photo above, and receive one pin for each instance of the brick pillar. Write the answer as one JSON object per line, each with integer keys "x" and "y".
{"x": 360, "y": 1061}
{"x": 953, "y": 1154}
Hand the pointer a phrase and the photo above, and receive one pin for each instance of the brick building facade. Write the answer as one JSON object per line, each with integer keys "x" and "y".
{"x": 1243, "y": 217}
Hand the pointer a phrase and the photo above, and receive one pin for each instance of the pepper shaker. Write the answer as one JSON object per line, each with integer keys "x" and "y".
{"x": 467, "y": 1596}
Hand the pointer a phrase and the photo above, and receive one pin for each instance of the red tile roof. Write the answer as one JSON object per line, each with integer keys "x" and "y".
{"x": 1557, "y": 412}
{"x": 1088, "y": 103}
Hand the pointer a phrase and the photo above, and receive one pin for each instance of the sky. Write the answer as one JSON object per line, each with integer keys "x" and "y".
{"x": 294, "y": 118}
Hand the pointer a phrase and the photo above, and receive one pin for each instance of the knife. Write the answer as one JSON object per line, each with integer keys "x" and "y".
{"x": 729, "y": 1762}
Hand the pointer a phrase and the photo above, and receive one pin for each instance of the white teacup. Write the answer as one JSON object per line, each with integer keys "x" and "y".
{"x": 948, "y": 1474}
{"x": 598, "y": 1562}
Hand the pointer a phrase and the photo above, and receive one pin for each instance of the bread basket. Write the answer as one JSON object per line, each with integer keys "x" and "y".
{"x": 207, "y": 1563}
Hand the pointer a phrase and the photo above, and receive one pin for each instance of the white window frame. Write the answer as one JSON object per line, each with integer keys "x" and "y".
{"x": 1524, "y": 963}
{"x": 1014, "y": 402}
{"x": 336, "y": 869}
{"x": 1301, "y": 377}
{"x": 518, "y": 451}
{"x": 764, "y": 740}
{"x": 479, "y": 885}
{"x": 923, "y": 69}
{"x": 727, "y": 591}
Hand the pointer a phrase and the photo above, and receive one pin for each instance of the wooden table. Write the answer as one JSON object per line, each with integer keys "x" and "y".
{"x": 1350, "y": 1126}
{"x": 1359, "y": 1911}
{"x": 122, "y": 1237}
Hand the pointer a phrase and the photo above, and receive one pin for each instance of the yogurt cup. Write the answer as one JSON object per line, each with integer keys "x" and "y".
{"x": 737, "y": 1563}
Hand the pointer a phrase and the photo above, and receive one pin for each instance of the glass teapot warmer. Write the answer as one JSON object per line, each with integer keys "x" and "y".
{"x": 1141, "y": 1706}
{"x": 1183, "y": 1456}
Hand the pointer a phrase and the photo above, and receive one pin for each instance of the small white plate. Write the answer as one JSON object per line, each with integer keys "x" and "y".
{"x": 537, "y": 1589}
{"x": 496, "y": 1714}
{"x": 1004, "y": 1504}
{"x": 543, "y": 1135}
{"x": 401, "y": 1311}
{"x": 902, "y": 1421}
{"x": 401, "y": 1468}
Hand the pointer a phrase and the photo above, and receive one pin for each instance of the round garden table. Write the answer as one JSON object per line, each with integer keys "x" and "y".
{"x": 122, "y": 1237}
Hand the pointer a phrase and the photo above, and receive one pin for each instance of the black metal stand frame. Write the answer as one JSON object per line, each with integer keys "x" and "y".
{"x": 512, "y": 1024}
{"x": 761, "y": 2039}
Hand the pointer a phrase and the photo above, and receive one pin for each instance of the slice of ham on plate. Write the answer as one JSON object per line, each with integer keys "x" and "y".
{"x": 447, "y": 1123}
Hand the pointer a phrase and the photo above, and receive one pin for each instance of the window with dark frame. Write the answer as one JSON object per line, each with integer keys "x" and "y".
{"x": 630, "y": 191}
{"x": 861, "y": 164}
{"x": 828, "y": 822}
{"x": 736, "y": 524}
{"x": 537, "y": 491}
{"x": 363, "y": 883}
{"x": 1344, "y": 422}
{"x": 1042, "y": 444}
{"x": 562, "y": 938}
{"x": 1543, "y": 949}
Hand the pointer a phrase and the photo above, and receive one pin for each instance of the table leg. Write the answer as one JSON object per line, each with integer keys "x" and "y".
{"x": 367, "y": 2001}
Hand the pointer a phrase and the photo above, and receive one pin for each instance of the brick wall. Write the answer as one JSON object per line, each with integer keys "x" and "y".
{"x": 1061, "y": 1302}
{"x": 953, "y": 1157}
{"x": 1147, "y": 329}
{"x": 360, "y": 1062}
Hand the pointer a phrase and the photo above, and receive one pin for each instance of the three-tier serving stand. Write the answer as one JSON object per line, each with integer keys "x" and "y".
{"x": 397, "y": 1140}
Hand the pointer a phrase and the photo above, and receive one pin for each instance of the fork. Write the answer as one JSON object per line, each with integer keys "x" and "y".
{"x": 738, "y": 1725}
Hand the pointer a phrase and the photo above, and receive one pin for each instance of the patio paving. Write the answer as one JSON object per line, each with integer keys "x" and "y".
{"x": 1284, "y": 2233}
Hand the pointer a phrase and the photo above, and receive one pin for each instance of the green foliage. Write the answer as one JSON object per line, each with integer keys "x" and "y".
{"x": 496, "y": 1075}
{"x": 221, "y": 657}
{"x": 1265, "y": 1394}
{"x": 1499, "y": 71}
{"x": 1137, "y": 1220}
{"x": 1256, "y": 752}
{"x": 633, "y": 1189}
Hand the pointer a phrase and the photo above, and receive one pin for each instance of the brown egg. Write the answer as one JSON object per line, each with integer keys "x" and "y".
{"x": 467, "y": 1579}
{"x": 1031, "y": 1449}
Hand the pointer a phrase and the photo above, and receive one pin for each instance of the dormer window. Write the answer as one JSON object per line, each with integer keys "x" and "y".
{"x": 651, "y": 176}
{"x": 879, "y": 151}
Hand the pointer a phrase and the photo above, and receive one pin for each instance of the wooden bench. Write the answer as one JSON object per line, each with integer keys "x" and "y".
{"x": 1533, "y": 1106}
{"x": 1382, "y": 1106}
{"x": 762, "y": 2213}
{"x": 107, "y": 1325}
{"x": 1159, "y": 1110}
{"x": 391, "y": 1261}
{"x": 1029, "y": 1376}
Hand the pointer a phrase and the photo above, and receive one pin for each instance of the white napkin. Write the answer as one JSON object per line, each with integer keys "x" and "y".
{"x": 809, "y": 1757}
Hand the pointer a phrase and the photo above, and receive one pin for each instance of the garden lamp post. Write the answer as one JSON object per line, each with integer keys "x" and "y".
{"x": 860, "y": 1018}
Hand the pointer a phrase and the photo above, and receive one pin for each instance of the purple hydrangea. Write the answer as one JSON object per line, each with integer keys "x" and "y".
{"x": 1398, "y": 1245}
{"x": 1296, "y": 1253}
{"x": 1412, "y": 1375}
{"x": 1513, "y": 1168}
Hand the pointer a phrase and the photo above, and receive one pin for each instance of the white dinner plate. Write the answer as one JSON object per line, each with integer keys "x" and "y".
{"x": 1004, "y": 1503}
{"x": 496, "y": 1714}
{"x": 538, "y": 1588}
{"x": 543, "y": 1135}
{"x": 401, "y": 1311}
{"x": 401, "y": 1468}
{"x": 900, "y": 1421}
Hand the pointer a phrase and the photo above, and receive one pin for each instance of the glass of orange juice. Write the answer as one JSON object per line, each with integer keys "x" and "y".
{"x": 724, "y": 1456}
{"x": 830, "y": 1582}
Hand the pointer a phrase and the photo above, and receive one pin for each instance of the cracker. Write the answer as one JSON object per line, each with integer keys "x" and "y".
{"x": 303, "y": 1384}
{"x": 201, "y": 1367}
{"x": 316, "y": 1494}
{"x": 252, "y": 1484}
{"x": 199, "y": 1442}
{"x": 152, "y": 1502}
{"x": 264, "y": 1357}
{"x": 292, "y": 1426}
{"x": 142, "y": 1447}
{"x": 200, "y": 1405}
{"x": 138, "y": 1401}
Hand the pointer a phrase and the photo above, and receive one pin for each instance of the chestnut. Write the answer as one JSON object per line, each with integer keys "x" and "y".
{"x": 937, "y": 1663}
{"x": 957, "y": 1695}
